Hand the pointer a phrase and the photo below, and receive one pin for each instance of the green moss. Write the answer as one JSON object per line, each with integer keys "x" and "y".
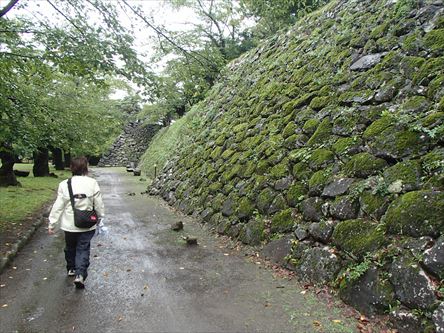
{"x": 262, "y": 167}
{"x": 374, "y": 205}
{"x": 216, "y": 153}
{"x": 434, "y": 40}
{"x": 321, "y": 157}
{"x": 227, "y": 154}
{"x": 218, "y": 202}
{"x": 282, "y": 221}
{"x": 319, "y": 103}
{"x": 397, "y": 143}
{"x": 289, "y": 130}
{"x": 415, "y": 104}
{"x": 253, "y": 233}
{"x": 408, "y": 172}
{"x": 363, "y": 165}
{"x": 248, "y": 169}
{"x": 264, "y": 200}
{"x": 416, "y": 214}
{"x": 441, "y": 105}
{"x": 379, "y": 31}
{"x": 321, "y": 134}
{"x": 280, "y": 170}
{"x": 318, "y": 181}
{"x": 410, "y": 65}
{"x": 358, "y": 97}
{"x": 310, "y": 126}
{"x": 301, "y": 171}
{"x": 433, "y": 162}
{"x": 358, "y": 237}
{"x": 296, "y": 193}
{"x": 230, "y": 173}
{"x": 428, "y": 71}
{"x": 377, "y": 127}
{"x": 221, "y": 139}
{"x": 413, "y": 43}
{"x": 343, "y": 145}
{"x": 434, "y": 88}
{"x": 215, "y": 187}
{"x": 245, "y": 208}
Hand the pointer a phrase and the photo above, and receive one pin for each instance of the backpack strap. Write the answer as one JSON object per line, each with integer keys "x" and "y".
{"x": 71, "y": 195}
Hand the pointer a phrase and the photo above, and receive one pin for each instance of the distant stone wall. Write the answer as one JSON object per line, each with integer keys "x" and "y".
{"x": 326, "y": 144}
{"x": 130, "y": 145}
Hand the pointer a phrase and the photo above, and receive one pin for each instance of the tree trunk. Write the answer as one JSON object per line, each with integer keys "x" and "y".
{"x": 41, "y": 160}
{"x": 57, "y": 156}
{"x": 67, "y": 159}
{"x": 7, "y": 176}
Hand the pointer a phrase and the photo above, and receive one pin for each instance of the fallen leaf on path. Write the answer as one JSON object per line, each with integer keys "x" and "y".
{"x": 226, "y": 254}
{"x": 128, "y": 270}
{"x": 317, "y": 323}
{"x": 4, "y": 305}
{"x": 303, "y": 292}
{"x": 14, "y": 267}
{"x": 105, "y": 274}
{"x": 2, "y": 285}
{"x": 98, "y": 245}
{"x": 336, "y": 321}
{"x": 45, "y": 278}
{"x": 145, "y": 287}
{"x": 120, "y": 318}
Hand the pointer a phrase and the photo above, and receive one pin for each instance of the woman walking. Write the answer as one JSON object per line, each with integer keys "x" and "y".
{"x": 87, "y": 196}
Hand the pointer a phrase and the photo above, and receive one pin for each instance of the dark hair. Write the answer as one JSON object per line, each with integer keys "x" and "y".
{"x": 79, "y": 166}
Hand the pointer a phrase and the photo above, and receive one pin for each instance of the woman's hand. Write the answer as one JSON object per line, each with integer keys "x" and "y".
{"x": 51, "y": 231}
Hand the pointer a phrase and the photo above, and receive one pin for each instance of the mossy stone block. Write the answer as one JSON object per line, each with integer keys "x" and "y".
{"x": 408, "y": 173}
{"x": 377, "y": 127}
{"x": 358, "y": 237}
{"x": 397, "y": 143}
{"x": 322, "y": 133}
{"x": 310, "y": 126}
{"x": 318, "y": 181}
{"x": 296, "y": 193}
{"x": 289, "y": 130}
{"x": 280, "y": 170}
{"x": 428, "y": 71}
{"x": 363, "y": 165}
{"x": 264, "y": 200}
{"x": 319, "y": 103}
{"x": 320, "y": 158}
{"x": 282, "y": 221}
{"x": 416, "y": 214}
{"x": 245, "y": 208}
{"x": 374, "y": 205}
{"x": 302, "y": 171}
{"x": 434, "y": 41}
{"x": 415, "y": 105}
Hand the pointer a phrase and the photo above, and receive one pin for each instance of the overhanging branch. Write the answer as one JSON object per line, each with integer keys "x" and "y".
{"x": 8, "y": 7}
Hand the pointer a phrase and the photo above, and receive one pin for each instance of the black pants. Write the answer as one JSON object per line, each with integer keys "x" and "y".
{"x": 77, "y": 251}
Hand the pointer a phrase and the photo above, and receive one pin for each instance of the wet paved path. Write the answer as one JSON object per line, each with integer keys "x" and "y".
{"x": 143, "y": 278}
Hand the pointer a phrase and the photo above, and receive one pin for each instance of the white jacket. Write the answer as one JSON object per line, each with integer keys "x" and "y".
{"x": 62, "y": 211}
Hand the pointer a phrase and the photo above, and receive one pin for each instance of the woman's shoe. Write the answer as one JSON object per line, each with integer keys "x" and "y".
{"x": 79, "y": 282}
{"x": 71, "y": 272}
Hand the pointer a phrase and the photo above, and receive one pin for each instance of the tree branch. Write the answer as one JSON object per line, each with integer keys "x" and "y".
{"x": 67, "y": 18}
{"x": 160, "y": 33}
{"x": 10, "y": 54}
{"x": 8, "y": 7}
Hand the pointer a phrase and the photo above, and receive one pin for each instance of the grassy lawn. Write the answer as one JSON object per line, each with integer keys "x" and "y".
{"x": 18, "y": 203}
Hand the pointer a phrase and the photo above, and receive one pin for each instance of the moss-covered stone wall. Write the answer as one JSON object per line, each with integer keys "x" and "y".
{"x": 333, "y": 133}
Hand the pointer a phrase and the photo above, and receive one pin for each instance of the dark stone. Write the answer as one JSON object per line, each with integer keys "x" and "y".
{"x": 386, "y": 93}
{"x": 434, "y": 259}
{"x": 321, "y": 231}
{"x": 319, "y": 265}
{"x": 438, "y": 318}
{"x": 277, "y": 250}
{"x": 177, "y": 226}
{"x": 137, "y": 172}
{"x": 301, "y": 233}
{"x": 412, "y": 286}
{"x": 344, "y": 208}
{"x": 228, "y": 207}
{"x": 206, "y": 214}
{"x": 253, "y": 233}
{"x": 311, "y": 209}
{"x": 370, "y": 294}
{"x": 283, "y": 184}
{"x": 407, "y": 322}
{"x": 278, "y": 204}
{"x": 338, "y": 187}
{"x": 367, "y": 62}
